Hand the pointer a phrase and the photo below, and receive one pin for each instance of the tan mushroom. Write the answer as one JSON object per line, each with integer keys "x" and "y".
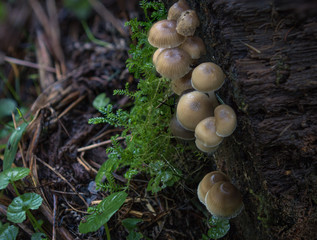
{"x": 226, "y": 120}
{"x": 208, "y": 181}
{"x": 176, "y": 10}
{"x": 205, "y": 132}
{"x": 163, "y": 35}
{"x": 192, "y": 108}
{"x": 224, "y": 200}
{"x": 182, "y": 84}
{"x": 207, "y": 77}
{"x": 194, "y": 46}
{"x": 179, "y": 132}
{"x": 173, "y": 63}
{"x": 187, "y": 23}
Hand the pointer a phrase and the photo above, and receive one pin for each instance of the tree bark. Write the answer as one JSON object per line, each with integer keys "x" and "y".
{"x": 268, "y": 50}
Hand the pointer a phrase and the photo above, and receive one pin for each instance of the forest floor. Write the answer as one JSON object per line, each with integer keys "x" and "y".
{"x": 53, "y": 70}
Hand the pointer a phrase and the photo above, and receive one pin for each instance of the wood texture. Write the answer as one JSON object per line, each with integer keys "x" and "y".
{"x": 268, "y": 50}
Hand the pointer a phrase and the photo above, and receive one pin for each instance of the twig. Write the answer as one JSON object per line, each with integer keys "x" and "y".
{"x": 107, "y": 16}
{"x": 29, "y": 64}
{"x": 251, "y": 47}
{"x": 98, "y": 144}
{"x": 54, "y": 217}
{"x": 64, "y": 179}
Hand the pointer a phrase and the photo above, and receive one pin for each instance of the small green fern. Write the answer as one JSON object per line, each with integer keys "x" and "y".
{"x": 147, "y": 139}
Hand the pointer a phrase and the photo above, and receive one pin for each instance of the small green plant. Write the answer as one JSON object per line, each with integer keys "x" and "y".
{"x": 21, "y": 205}
{"x": 218, "y": 228}
{"x": 131, "y": 225}
{"x": 101, "y": 213}
{"x": 148, "y": 147}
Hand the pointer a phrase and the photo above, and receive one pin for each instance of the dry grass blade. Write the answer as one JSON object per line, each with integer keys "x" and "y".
{"x": 108, "y": 16}
{"x": 64, "y": 179}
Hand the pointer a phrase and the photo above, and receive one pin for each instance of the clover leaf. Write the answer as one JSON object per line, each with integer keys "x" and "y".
{"x": 19, "y": 205}
{"x": 12, "y": 175}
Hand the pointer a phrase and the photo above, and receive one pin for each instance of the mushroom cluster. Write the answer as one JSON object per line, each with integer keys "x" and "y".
{"x": 221, "y": 198}
{"x": 198, "y": 115}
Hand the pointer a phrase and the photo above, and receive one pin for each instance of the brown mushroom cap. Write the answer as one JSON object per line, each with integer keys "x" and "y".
{"x": 173, "y": 63}
{"x": 224, "y": 200}
{"x": 163, "y": 35}
{"x": 155, "y": 55}
{"x": 179, "y": 132}
{"x": 194, "y": 46}
{"x": 207, "y": 77}
{"x": 208, "y": 181}
{"x": 226, "y": 120}
{"x": 176, "y": 10}
{"x": 187, "y": 23}
{"x": 205, "y": 131}
{"x": 182, "y": 84}
{"x": 192, "y": 108}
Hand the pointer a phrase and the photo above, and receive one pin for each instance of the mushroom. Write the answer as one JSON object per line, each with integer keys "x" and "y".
{"x": 163, "y": 35}
{"x": 179, "y": 132}
{"x": 200, "y": 145}
{"x": 224, "y": 200}
{"x": 208, "y": 181}
{"x": 194, "y": 46}
{"x": 155, "y": 55}
{"x": 182, "y": 84}
{"x": 226, "y": 120}
{"x": 173, "y": 63}
{"x": 205, "y": 132}
{"x": 187, "y": 23}
{"x": 207, "y": 77}
{"x": 192, "y": 108}
{"x": 176, "y": 10}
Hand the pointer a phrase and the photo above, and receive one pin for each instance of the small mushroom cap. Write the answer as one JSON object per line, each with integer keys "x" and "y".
{"x": 163, "y": 35}
{"x": 176, "y": 10}
{"x": 182, "y": 84}
{"x": 224, "y": 200}
{"x": 194, "y": 46}
{"x": 208, "y": 181}
{"x": 179, "y": 132}
{"x": 173, "y": 63}
{"x": 207, "y": 77}
{"x": 205, "y": 131}
{"x": 187, "y": 23}
{"x": 226, "y": 120}
{"x": 192, "y": 108}
{"x": 155, "y": 55}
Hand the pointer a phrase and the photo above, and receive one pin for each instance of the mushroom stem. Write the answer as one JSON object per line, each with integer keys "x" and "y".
{"x": 214, "y": 99}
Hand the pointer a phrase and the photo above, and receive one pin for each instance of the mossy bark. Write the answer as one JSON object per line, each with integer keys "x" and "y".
{"x": 268, "y": 50}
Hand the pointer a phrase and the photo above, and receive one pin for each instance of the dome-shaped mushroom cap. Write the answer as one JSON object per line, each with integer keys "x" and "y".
{"x": 208, "y": 181}
{"x": 194, "y": 46}
{"x": 173, "y": 63}
{"x": 187, "y": 23}
{"x": 224, "y": 200}
{"x": 207, "y": 77}
{"x": 163, "y": 35}
{"x": 176, "y": 10}
{"x": 226, "y": 120}
{"x": 155, "y": 55}
{"x": 192, "y": 108}
{"x": 182, "y": 84}
{"x": 179, "y": 132}
{"x": 205, "y": 131}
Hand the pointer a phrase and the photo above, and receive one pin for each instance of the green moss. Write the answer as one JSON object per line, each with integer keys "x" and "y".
{"x": 148, "y": 147}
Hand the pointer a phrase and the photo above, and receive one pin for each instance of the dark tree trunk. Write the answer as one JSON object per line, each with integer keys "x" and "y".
{"x": 268, "y": 50}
